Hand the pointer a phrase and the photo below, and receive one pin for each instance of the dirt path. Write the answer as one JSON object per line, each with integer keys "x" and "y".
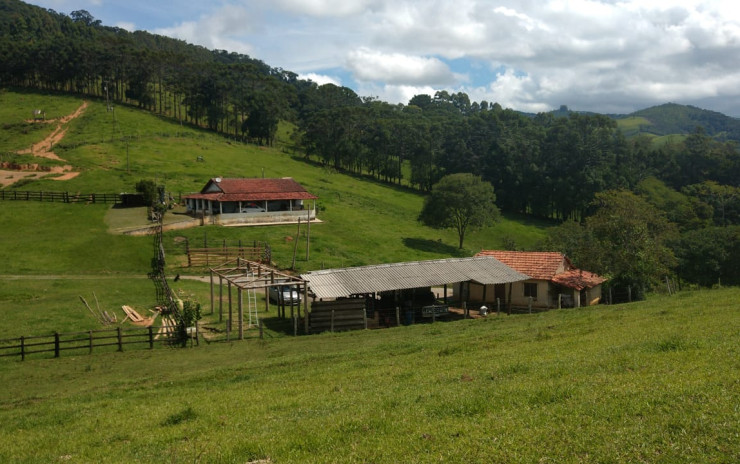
{"x": 43, "y": 149}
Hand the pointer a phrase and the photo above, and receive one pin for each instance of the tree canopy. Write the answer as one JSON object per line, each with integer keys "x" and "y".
{"x": 462, "y": 202}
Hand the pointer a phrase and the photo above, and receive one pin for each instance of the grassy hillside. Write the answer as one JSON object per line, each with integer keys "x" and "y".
{"x": 648, "y": 382}
{"x": 672, "y": 118}
{"x": 363, "y": 221}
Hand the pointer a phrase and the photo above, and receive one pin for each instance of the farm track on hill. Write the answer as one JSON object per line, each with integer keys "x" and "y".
{"x": 43, "y": 149}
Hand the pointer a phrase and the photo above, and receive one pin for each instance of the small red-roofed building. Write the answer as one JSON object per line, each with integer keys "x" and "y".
{"x": 553, "y": 281}
{"x": 240, "y": 200}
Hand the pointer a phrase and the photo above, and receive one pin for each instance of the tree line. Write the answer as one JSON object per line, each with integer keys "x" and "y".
{"x": 545, "y": 165}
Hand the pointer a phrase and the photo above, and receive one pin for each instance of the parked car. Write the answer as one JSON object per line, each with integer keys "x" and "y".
{"x": 252, "y": 208}
{"x": 288, "y": 293}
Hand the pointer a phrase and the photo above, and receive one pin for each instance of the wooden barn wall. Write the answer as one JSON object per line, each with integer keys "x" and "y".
{"x": 348, "y": 314}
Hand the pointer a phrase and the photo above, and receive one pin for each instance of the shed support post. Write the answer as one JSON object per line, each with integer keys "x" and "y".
{"x": 305, "y": 298}
{"x": 241, "y": 313}
{"x": 229, "y": 322}
{"x": 508, "y": 304}
{"x": 212, "y": 299}
{"x": 220, "y": 299}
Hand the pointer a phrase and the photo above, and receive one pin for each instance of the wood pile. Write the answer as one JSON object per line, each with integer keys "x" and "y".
{"x": 104, "y": 317}
{"x": 168, "y": 328}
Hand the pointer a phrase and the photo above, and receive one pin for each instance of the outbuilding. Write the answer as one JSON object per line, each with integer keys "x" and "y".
{"x": 391, "y": 293}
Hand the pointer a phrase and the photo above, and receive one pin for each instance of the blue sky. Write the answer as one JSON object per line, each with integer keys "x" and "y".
{"x": 606, "y": 56}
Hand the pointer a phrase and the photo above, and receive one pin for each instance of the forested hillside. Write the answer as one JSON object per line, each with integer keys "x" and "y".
{"x": 672, "y": 118}
{"x": 543, "y": 165}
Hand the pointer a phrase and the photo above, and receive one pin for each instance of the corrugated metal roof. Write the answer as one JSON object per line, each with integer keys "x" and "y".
{"x": 334, "y": 283}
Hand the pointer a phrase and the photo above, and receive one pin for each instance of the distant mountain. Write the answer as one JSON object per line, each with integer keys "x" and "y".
{"x": 672, "y": 118}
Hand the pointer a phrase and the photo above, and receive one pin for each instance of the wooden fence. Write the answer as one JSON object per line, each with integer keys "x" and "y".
{"x": 345, "y": 314}
{"x": 259, "y": 252}
{"x": 87, "y": 341}
{"x": 61, "y": 197}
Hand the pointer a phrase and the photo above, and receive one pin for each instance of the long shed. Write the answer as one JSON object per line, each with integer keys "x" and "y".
{"x": 402, "y": 279}
{"x": 337, "y": 283}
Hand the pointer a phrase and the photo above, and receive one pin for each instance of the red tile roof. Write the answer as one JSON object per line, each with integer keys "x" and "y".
{"x": 538, "y": 265}
{"x": 546, "y": 265}
{"x": 243, "y": 189}
{"x": 578, "y": 279}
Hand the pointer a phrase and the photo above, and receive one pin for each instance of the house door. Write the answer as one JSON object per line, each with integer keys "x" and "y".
{"x": 499, "y": 291}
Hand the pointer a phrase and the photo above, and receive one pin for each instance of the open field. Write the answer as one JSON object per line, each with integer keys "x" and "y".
{"x": 655, "y": 381}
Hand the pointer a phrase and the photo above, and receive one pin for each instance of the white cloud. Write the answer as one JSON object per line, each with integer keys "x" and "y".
{"x": 321, "y": 79}
{"x": 588, "y": 54}
{"x": 398, "y": 69}
{"x": 222, "y": 29}
{"x": 131, "y": 27}
{"x": 330, "y": 8}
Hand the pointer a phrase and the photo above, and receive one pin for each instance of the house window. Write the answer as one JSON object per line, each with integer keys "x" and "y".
{"x": 530, "y": 289}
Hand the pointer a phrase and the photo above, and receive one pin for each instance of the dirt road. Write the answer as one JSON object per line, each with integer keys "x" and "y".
{"x": 44, "y": 149}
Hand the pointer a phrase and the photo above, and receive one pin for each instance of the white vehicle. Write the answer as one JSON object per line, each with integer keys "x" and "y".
{"x": 284, "y": 293}
{"x": 252, "y": 208}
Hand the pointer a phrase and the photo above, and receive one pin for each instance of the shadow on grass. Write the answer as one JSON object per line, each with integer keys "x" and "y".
{"x": 277, "y": 325}
{"x": 432, "y": 246}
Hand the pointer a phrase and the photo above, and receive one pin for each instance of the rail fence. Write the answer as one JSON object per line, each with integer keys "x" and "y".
{"x": 88, "y": 341}
{"x": 61, "y": 197}
{"x": 208, "y": 255}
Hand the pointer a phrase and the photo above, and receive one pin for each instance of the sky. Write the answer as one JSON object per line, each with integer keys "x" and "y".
{"x": 608, "y": 56}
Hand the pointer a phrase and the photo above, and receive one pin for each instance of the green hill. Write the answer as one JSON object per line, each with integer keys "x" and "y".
{"x": 362, "y": 221}
{"x": 671, "y": 118}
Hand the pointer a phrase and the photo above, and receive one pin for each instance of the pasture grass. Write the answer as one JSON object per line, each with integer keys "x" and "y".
{"x": 655, "y": 381}
{"x": 633, "y": 125}
{"x": 363, "y": 222}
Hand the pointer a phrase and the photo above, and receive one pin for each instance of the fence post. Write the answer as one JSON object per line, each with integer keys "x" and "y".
{"x": 151, "y": 338}
{"x": 23, "y": 348}
{"x": 56, "y": 344}
{"x": 529, "y": 305}
{"x": 91, "y": 341}
{"x": 120, "y": 339}
{"x": 629, "y": 293}
{"x": 498, "y": 306}
{"x": 332, "y": 321}
{"x": 398, "y": 316}
{"x": 261, "y": 331}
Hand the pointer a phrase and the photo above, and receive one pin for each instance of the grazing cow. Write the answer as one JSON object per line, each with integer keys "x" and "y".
{"x": 39, "y": 114}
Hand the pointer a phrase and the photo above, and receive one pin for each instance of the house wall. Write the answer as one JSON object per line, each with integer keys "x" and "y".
{"x": 268, "y": 217}
{"x": 544, "y": 299}
{"x": 476, "y": 294}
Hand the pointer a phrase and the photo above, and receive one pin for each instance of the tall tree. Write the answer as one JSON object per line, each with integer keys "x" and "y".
{"x": 462, "y": 202}
{"x": 633, "y": 238}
